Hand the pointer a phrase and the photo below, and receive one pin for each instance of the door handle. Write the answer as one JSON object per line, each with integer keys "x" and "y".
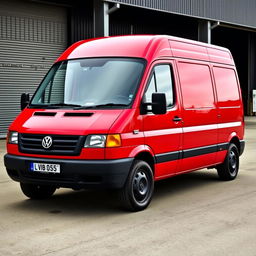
{"x": 177, "y": 119}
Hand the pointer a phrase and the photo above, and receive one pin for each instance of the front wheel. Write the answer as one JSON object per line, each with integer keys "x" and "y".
{"x": 34, "y": 191}
{"x": 138, "y": 189}
{"x": 228, "y": 170}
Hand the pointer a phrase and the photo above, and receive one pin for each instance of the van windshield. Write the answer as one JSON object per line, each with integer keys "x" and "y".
{"x": 90, "y": 83}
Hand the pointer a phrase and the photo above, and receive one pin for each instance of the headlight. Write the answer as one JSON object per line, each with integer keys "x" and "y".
{"x": 101, "y": 141}
{"x": 13, "y": 138}
{"x": 95, "y": 141}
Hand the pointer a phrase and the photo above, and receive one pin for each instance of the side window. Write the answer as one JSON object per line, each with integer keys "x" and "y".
{"x": 196, "y": 86}
{"x": 161, "y": 81}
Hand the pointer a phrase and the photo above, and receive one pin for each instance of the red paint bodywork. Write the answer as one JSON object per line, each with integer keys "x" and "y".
{"x": 158, "y": 134}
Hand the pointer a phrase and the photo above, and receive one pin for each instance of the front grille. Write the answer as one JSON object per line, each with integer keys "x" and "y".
{"x": 69, "y": 145}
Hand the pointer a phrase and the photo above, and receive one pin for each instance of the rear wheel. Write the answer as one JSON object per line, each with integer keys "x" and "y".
{"x": 229, "y": 169}
{"x": 138, "y": 189}
{"x": 34, "y": 191}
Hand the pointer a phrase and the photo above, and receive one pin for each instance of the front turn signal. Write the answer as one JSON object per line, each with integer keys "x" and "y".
{"x": 113, "y": 140}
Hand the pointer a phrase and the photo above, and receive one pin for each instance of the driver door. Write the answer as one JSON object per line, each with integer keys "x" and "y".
{"x": 163, "y": 133}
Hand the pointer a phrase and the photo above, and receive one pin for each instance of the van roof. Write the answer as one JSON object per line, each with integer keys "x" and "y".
{"x": 147, "y": 47}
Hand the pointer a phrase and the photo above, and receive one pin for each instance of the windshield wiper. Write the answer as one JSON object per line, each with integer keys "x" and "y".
{"x": 63, "y": 105}
{"x": 102, "y": 105}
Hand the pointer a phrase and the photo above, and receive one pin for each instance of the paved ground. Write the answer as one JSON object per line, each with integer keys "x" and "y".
{"x": 192, "y": 214}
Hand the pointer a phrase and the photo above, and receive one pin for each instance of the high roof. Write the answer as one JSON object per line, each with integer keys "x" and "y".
{"x": 129, "y": 46}
{"x": 148, "y": 47}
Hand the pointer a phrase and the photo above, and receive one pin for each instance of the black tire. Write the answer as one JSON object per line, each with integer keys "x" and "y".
{"x": 228, "y": 170}
{"x": 138, "y": 189}
{"x": 34, "y": 191}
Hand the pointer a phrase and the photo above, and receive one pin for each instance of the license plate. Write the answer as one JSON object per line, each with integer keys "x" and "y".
{"x": 46, "y": 168}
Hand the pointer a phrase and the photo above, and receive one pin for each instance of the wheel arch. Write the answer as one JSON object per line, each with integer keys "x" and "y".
{"x": 146, "y": 154}
{"x": 235, "y": 140}
{"x": 148, "y": 158}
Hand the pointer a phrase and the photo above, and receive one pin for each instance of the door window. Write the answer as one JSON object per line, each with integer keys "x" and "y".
{"x": 161, "y": 81}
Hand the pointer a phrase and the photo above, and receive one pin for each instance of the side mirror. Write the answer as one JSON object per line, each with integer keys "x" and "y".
{"x": 24, "y": 100}
{"x": 159, "y": 105}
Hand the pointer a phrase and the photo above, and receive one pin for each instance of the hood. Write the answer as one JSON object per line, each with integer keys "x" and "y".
{"x": 64, "y": 121}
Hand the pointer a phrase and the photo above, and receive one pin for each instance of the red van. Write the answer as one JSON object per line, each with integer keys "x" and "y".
{"x": 124, "y": 112}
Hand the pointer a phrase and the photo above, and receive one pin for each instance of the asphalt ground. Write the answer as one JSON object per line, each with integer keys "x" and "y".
{"x": 191, "y": 214}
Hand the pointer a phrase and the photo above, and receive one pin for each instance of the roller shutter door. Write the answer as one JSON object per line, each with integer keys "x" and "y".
{"x": 32, "y": 36}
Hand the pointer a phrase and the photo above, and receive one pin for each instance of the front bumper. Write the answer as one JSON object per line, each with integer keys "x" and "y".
{"x": 74, "y": 173}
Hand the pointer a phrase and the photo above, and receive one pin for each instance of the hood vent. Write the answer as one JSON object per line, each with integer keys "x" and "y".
{"x": 77, "y": 114}
{"x": 44, "y": 113}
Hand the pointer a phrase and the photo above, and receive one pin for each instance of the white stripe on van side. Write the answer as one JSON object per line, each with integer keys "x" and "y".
{"x": 228, "y": 125}
{"x": 192, "y": 129}
{"x": 211, "y": 127}
{"x": 163, "y": 132}
{"x": 200, "y": 128}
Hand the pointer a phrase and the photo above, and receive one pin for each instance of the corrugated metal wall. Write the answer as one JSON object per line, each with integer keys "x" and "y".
{"x": 32, "y": 36}
{"x": 81, "y": 21}
{"x": 145, "y": 21}
{"x": 240, "y": 12}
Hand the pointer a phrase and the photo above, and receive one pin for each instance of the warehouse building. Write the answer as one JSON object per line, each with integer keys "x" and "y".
{"x": 33, "y": 33}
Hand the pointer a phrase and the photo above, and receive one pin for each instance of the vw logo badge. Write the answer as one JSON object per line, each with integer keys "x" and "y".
{"x": 47, "y": 142}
